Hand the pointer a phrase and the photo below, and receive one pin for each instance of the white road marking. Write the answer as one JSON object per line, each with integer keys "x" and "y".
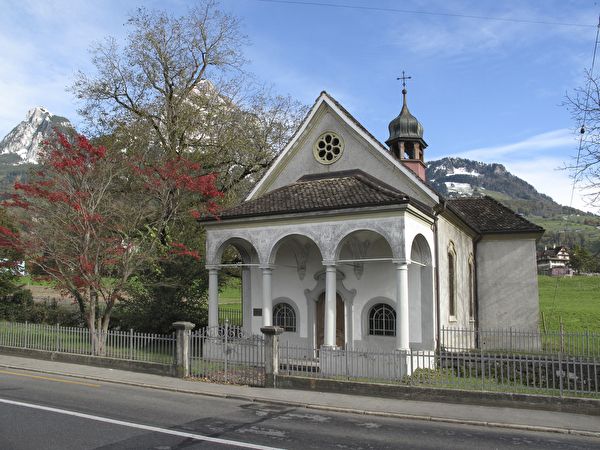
{"x": 138, "y": 426}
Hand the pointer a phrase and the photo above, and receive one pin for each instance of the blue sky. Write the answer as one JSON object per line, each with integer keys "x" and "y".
{"x": 487, "y": 80}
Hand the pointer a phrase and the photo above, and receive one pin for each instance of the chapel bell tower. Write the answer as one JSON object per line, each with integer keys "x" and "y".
{"x": 406, "y": 138}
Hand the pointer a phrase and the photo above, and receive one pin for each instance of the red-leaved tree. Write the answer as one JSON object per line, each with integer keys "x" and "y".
{"x": 92, "y": 218}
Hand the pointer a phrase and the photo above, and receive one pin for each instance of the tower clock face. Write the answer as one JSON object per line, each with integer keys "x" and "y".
{"x": 328, "y": 147}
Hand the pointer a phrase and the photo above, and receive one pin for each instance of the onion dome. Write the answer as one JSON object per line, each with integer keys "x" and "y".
{"x": 406, "y": 140}
{"x": 405, "y": 126}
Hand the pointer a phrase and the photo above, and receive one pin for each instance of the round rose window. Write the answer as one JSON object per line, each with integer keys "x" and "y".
{"x": 328, "y": 148}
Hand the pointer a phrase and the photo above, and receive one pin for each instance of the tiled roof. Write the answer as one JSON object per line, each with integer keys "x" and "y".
{"x": 554, "y": 252}
{"x": 328, "y": 191}
{"x": 490, "y": 216}
{"x": 356, "y": 189}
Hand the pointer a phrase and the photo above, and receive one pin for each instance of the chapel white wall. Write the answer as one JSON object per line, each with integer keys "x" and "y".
{"x": 463, "y": 246}
{"x": 507, "y": 284}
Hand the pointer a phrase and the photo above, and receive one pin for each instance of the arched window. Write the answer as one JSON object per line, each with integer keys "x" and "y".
{"x": 284, "y": 316}
{"x": 452, "y": 281}
{"x": 471, "y": 288}
{"x": 382, "y": 320}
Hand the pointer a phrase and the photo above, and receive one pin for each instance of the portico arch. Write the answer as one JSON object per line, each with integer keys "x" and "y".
{"x": 294, "y": 259}
{"x": 239, "y": 256}
{"x": 421, "y": 298}
{"x": 367, "y": 259}
{"x": 296, "y": 251}
{"x": 364, "y": 247}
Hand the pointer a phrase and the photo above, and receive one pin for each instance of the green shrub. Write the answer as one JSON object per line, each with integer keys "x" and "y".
{"x": 148, "y": 314}
{"x": 20, "y": 307}
{"x": 22, "y": 297}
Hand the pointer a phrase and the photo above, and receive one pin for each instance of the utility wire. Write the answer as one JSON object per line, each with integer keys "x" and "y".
{"x": 585, "y": 111}
{"x": 372, "y": 8}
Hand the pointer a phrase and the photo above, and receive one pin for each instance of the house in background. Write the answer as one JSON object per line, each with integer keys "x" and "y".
{"x": 343, "y": 243}
{"x": 554, "y": 262}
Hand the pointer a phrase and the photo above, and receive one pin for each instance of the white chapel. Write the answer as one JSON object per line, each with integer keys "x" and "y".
{"x": 343, "y": 243}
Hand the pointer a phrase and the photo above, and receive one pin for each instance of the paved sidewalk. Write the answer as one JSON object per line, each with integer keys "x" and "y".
{"x": 444, "y": 412}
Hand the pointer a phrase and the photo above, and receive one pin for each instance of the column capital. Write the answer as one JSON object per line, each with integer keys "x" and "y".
{"x": 212, "y": 267}
{"x": 183, "y": 325}
{"x": 271, "y": 330}
{"x": 401, "y": 262}
{"x": 329, "y": 263}
{"x": 266, "y": 266}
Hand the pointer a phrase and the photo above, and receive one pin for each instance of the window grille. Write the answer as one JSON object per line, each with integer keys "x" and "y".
{"x": 284, "y": 316}
{"x": 382, "y": 320}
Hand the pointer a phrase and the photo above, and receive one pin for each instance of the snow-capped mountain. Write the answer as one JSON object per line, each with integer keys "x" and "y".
{"x": 458, "y": 177}
{"x": 25, "y": 138}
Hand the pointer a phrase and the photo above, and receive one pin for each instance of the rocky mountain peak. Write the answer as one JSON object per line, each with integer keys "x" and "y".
{"x": 24, "y": 139}
{"x": 37, "y": 114}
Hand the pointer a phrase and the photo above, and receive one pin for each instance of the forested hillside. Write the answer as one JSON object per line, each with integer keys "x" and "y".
{"x": 11, "y": 173}
{"x": 453, "y": 177}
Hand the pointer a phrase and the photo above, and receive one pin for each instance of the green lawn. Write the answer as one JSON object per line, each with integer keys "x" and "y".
{"x": 576, "y": 300}
{"x": 559, "y": 224}
{"x": 230, "y": 296}
{"x": 28, "y": 281}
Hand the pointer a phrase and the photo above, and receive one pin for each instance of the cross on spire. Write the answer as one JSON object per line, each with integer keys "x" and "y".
{"x": 403, "y": 78}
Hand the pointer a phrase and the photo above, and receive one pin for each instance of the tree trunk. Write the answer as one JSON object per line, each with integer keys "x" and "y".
{"x": 91, "y": 327}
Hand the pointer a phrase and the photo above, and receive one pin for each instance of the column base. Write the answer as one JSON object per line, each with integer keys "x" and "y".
{"x": 330, "y": 347}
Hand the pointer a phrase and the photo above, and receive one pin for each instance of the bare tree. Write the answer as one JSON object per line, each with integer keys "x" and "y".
{"x": 584, "y": 106}
{"x": 179, "y": 86}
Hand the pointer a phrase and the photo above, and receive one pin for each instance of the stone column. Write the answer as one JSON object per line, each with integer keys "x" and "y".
{"x": 330, "y": 303}
{"x": 271, "y": 354}
{"x": 402, "y": 315}
{"x": 213, "y": 296}
{"x": 182, "y": 348}
{"x": 246, "y": 298}
{"x": 267, "y": 309}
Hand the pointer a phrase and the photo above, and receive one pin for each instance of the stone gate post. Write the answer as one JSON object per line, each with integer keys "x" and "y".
{"x": 271, "y": 354}
{"x": 182, "y": 348}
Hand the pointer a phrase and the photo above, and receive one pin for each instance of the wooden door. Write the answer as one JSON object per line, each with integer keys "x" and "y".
{"x": 340, "y": 335}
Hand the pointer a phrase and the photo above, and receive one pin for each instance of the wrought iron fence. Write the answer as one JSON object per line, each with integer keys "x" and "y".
{"x": 532, "y": 374}
{"x": 505, "y": 360}
{"x": 584, "y": 345}
{"x": 233, "y": 316}
{"x": 368, "y": 365}
{"x": 227, "y": 354}
{"x": 113, "y": 344}
{"x": 455, "y": 368}
{"x": 510, "y": 372}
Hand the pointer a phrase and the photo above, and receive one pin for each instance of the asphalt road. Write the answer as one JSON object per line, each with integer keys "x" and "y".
{"x": 55, "y": 412}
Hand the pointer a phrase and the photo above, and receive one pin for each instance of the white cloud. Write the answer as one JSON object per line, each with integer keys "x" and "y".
{"x": 42, "y": 43}
{"x": 538, "y": 144}
{"x": 461, "y": 30}
{"x": 538, "y": 160}
{"x": 544, "y": 174}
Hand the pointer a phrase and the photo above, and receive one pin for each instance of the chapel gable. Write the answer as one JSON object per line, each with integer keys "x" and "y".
{"x": 331, "y": 140}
